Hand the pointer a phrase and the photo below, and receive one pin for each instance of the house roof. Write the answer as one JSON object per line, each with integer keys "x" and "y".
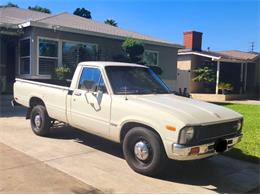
{"x": 73, "y": 23}
{"x": 240, "y": 54}
{"x": 226, "y": 56}
{"x": 13, "y": 15}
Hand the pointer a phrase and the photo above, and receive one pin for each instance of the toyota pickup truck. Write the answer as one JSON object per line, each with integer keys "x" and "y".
{"x": 129, "y": 104}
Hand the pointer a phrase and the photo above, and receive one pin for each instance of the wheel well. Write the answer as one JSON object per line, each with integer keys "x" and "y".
{"x": 36, "y": 101}
{"x": 126, "y": 127}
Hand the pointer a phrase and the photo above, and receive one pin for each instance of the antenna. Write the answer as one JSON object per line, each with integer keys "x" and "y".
{"x": 252, "y": 45}
{"x": 125, "y": 94}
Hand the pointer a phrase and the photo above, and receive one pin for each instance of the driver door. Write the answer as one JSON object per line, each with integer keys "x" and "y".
{"x": 90, "y": 103}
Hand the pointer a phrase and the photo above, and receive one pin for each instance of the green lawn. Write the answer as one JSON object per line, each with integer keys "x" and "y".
{"x": 249, "y": 148}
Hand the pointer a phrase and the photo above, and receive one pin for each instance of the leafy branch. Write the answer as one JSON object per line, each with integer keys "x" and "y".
{"x": 204, "y": 74}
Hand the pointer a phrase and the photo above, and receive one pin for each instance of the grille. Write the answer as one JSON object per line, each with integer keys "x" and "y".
{"x": 211, "y": 132}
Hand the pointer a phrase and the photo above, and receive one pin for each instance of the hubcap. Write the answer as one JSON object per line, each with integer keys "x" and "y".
{"x": 141, "y": 150}
{"x": 37, "y": 120}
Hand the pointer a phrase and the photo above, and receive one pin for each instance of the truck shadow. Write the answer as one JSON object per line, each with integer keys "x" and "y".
{"x": 7, "y": 112}
{"x": 90, "y": 140}
{"x": 214, "y": 174}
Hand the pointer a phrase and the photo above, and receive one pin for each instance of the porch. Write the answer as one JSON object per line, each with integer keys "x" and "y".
{"x": 8, "y": 61}
{"x": 240, "y": 75}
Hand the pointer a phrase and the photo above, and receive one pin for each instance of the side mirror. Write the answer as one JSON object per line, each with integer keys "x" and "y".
{"x": 99, "y": 96}
{"x": 94, "y": 99}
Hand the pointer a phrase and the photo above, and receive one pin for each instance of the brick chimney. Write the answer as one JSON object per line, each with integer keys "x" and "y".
{"x": 192, "y": 40}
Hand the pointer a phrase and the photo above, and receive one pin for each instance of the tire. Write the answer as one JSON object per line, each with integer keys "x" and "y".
{"x": 40, "y": 121}
{"x": 140, "y": 137}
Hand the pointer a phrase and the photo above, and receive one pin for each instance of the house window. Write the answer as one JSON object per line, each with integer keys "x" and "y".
{"x": 24, "y": 56}
{"x": 151, "y": 58}
{"x": 73, "y": 53}
{"x": 48, "y": 56}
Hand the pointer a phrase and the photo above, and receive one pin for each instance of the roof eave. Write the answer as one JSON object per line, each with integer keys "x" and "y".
{"x": 200, "y": 54}
{"x": 73, "y": 30}
{"x": 236, "y": 60}
{"x": 9, "y": 29}
{"x": 217, "y": 58}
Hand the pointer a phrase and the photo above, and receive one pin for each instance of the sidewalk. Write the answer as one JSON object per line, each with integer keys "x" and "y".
{"x": 251, "y": 102}
{"x": 20, "y": 173}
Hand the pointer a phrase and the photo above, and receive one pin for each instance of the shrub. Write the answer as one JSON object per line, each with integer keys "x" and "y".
{"x": 157, "y": 70}
{"x": 120, "y": 58}
{"x": 134, "y": 49}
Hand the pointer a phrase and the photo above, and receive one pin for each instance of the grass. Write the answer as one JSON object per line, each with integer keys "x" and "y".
{"x": 249, "y": 148}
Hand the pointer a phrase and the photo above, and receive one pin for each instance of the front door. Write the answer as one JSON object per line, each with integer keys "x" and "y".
{"x": 90, "y": 103}
{"x": 10, "y": 65}
{"x": 8, "y": 46}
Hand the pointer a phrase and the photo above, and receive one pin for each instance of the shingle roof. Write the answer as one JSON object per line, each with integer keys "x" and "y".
{"x": 18, "y": 16}
{"x": 15, "y": 15}
{"x": 230, "y": 55}
{"x": 76, "y": 22}
{"x": 240, "y": 54}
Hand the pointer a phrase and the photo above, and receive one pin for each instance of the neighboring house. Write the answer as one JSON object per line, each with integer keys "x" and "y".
{"x": 33, "y": 44}
{"x": 240, "y": 69}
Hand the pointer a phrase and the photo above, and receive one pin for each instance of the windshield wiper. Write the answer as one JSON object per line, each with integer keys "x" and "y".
{"x": 125, "y": 92}
{"x": 159, "y": 91}
{"x": 143, "y": 91}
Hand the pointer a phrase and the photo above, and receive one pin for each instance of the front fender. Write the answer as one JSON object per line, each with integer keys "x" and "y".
{"x": 158, "y": 126}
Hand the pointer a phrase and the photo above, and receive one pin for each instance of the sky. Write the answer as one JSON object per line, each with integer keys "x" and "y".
{"x": 225, "y": 24}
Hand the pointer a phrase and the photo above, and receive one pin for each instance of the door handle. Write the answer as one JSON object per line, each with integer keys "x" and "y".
{"x": 77, "y": 93}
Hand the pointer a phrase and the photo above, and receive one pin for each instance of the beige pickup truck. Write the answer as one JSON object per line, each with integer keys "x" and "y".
{"x": 131, "y": 105}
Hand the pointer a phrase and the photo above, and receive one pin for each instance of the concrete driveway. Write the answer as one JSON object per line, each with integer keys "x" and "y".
{"x": 20, "y": 173}
{"x": 100, "y": 163}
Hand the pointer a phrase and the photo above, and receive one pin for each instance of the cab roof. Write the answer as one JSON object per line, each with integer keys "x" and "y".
{"x": 106, "y": 63}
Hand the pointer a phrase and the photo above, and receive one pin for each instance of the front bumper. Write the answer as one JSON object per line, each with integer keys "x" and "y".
{"x": 181, "y": 152}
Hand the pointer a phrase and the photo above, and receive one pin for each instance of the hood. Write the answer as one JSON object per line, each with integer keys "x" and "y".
{"x": 189, "y": 111}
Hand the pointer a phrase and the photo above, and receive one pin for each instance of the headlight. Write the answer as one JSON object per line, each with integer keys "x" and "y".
{"x": 239, "y": 125}
{"x": 186, "y": 135}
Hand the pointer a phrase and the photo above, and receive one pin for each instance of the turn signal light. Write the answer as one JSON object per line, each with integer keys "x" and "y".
{"x": 194, "y": 151}
{"x": 171, "y": 128}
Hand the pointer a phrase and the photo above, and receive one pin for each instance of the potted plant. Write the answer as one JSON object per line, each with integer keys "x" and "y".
{"x": 225, "y": 87}
{"x": 62, "y": 73}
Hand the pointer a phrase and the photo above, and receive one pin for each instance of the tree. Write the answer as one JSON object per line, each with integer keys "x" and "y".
{"x": 9, "y": 4}
{"x": 40, "y": 9}
{"x": 134, "y": 50}
{"x": 111, "y": 22}
{"x": 82, "y": 12}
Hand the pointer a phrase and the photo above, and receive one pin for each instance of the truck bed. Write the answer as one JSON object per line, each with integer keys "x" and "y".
{"x": 63, "y": 83}
{"x": 51, "y": 91}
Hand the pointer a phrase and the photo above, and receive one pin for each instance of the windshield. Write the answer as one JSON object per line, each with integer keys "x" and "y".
{"x": 135, "y": 80}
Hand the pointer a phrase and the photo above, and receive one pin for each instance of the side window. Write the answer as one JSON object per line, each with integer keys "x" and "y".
{"x": 91, "y": 80}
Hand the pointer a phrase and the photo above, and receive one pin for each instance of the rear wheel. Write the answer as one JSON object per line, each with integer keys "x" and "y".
{"x": 144, "y": 151}
{"x": 40, "y": 121}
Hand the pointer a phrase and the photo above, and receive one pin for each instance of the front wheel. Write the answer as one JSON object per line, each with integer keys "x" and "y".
{"x": 144, "y": 151}
{"x": 40, "y": 121}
